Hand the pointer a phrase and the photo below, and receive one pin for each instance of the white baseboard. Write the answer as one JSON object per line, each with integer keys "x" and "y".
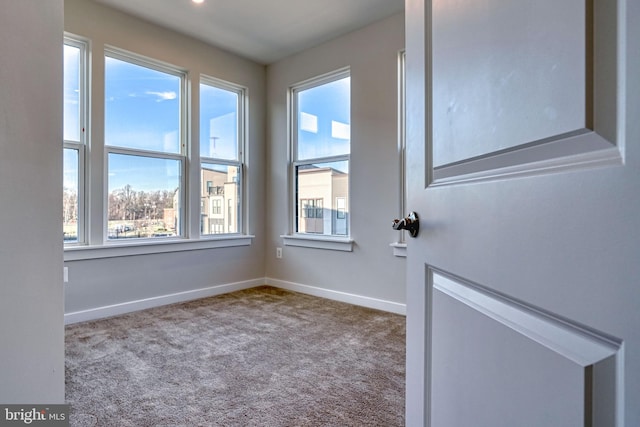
{"x": 378, "y": 304}
{"x": 130, "y": 306}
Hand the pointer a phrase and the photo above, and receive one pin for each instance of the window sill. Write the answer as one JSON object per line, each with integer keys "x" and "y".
{"x": 399, "y": 249}
{"x": 147, "y": 247}
{"x": 319, "y": 242}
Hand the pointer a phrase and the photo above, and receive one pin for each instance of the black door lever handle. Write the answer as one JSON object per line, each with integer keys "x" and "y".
{"x": 411, "y": 223}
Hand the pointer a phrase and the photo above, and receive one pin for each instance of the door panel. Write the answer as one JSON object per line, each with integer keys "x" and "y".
{"x": 523, "y": 162}
{"x": 528, "y": 385}
{"x": 532, "y": 369}
{"x": 522, "y": 101}
{"x": 523, "y": 86}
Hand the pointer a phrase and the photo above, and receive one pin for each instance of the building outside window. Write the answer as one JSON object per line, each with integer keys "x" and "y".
{"x": 312, "y": 215}
{"x": 321, "y": 137}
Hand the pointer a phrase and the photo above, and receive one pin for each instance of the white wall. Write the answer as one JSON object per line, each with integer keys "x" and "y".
{"x": 31, "y": 296}
{"x": 104, "y": 282}
{"x": 370, "y": 270}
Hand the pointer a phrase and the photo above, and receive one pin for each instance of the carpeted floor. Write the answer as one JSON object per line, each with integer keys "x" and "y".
{"x": 260, "y": 357}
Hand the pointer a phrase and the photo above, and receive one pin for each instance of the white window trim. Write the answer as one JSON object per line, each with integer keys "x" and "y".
{"x": 400, "y": 247}
{"x": 308, "y": 240}
{"x": 181, "y": 156}
{"x": 82, "y": 211}
{"x": 84, "y": 83}
{"x": 84, "y": 249}
{"x": 319, "y": 242}
{"x": 242, "y": 109}
{"x": 153, "y": 246}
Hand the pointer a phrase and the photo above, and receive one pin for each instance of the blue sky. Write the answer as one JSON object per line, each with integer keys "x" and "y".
{"x": 142, "y": 107}
{"x": 324, "y": 120}
{"x": 142, "y": 111}
{"x": 71, "y": 114}
{"x": 218, "y": 123}
{"x": 71, "y": 93}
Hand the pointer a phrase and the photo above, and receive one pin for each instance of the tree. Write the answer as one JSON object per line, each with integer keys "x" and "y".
{"x": 127, "y": 204}
{"x": 69, "y": 205}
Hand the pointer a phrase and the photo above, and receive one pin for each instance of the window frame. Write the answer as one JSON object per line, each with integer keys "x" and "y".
{"x": 341, "y": 210}
{"x": 84, "y": 46}
{"x": 93, "y": 170}
{"x": 400, "y": 247}
{"x": 295, "y": 238}
{"x": 239, "y": 162}
{"x": 182, "y": 229}
{"x": 402, "y": 136}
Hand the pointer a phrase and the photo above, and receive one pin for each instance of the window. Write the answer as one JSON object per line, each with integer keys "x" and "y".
{"x": 402, "y": 144}
{"x": 150, "y": 181}
{"x": 321, "y": 135}
{"x": 312, "y": 216}
{"x": 311, "y": 208}
{"x": 74, "y": 109}
{"x": 216, "y": 206}
{"x": 145, "y": 148}
{"x": 340, "y": 204}
{"x": 221, "y": 150}
{"x": 399, "y": 247}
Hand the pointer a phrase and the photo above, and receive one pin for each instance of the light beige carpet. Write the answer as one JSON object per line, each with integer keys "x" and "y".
{"x": 260, "y": 357}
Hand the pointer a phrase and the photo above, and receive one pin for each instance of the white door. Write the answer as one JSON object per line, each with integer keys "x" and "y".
{"x": 523, "y": 297}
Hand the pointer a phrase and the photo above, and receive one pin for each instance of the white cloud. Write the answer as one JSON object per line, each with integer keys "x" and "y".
{"x": 163, "y": 96}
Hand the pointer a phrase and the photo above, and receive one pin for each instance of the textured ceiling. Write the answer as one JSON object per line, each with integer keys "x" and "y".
{"x": 262, "y": 30}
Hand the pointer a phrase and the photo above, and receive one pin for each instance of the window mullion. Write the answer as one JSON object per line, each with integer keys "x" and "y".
{"x": 220, "y": 161}
{"x": 143, "y": 153}
{"x": 315, "y": 160}
{"x": 75, "y": 110}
